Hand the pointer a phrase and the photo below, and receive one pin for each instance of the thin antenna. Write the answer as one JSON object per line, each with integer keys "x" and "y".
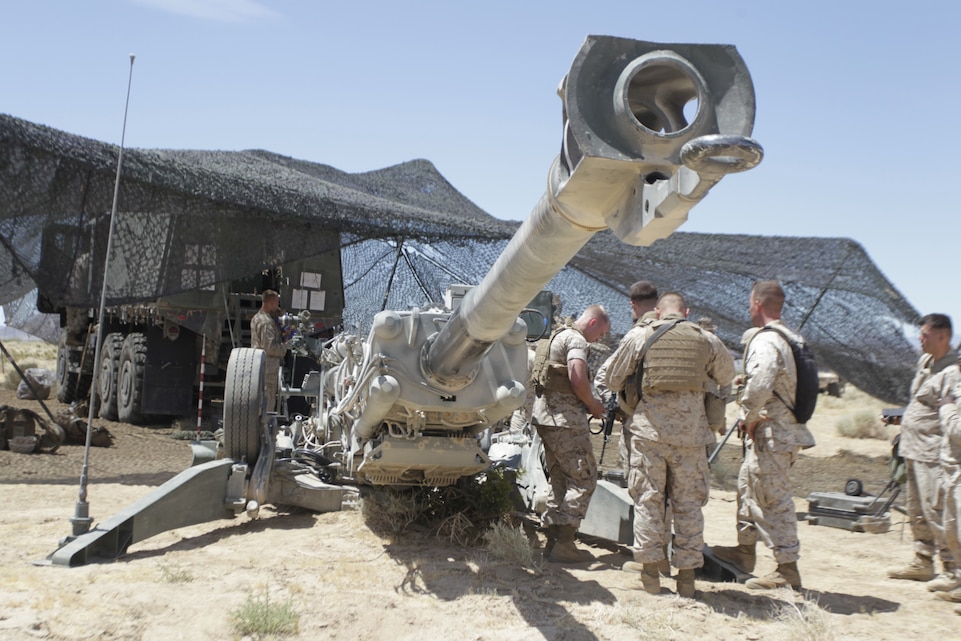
{"x": 81, "y": 518}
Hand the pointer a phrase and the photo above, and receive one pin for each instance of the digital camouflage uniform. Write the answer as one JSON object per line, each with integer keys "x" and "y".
{"x": 765, "y": 504}
{"x": 265, "y": 334}
{"x": 921, "y": 447}
{"x": 668, "y": 436}
{"x": 600, "y": 385}
{"x": 563, "y": 425}
{"x": 951, "y": 472}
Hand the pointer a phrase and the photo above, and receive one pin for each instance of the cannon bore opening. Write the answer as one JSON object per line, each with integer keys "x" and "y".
{"x": 660, "y": 92}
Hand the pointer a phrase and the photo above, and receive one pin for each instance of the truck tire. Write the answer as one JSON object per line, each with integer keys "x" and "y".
{"x": 67, "y": 391}
{"x": 109, "y": 367}
{"x": 244, "y": 404}
{"x": 133, "y": 362}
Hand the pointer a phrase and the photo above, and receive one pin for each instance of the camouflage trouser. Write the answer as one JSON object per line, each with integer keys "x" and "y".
{"x": 765, "y": 505}
{"x": 572, "y": 471}
{"x": 925, "y": 500}
{"x": 659, "y": 471}
{"x": 624, "y": 450}
{"x": 952, "y": 510}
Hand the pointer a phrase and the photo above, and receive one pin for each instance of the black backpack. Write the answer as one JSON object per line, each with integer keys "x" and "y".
{"x": 808, "y": 387}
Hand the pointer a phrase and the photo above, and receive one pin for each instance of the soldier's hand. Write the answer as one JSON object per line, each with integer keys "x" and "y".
{"x": 751, "y": 427}
{"x": 597, "y": 409}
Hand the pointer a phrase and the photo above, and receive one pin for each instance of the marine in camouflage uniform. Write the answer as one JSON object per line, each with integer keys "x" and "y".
{"x": 773, "y": 439}
{"x": 643, "y": 297}
{"x": 920, "y": 445}
{"x": 560, "y": 417}
{"x": 265, "y": 334}
{"x": 668, "y": 435}
{"x": 950, "y": 456}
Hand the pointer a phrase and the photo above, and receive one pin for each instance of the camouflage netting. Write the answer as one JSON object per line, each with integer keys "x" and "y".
{"x": 405, "y": 234}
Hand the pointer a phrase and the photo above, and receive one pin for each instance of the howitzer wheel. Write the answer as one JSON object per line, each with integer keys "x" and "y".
{"x": 109, "y": 368}
{"x": 244, "y": 404}
{"x": 133, "y": 362}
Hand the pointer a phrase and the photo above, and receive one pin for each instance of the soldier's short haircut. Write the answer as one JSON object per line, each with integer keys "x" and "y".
{"x": 596, "y": 311}
{"x": 643, "y": 290}
{"x": 936, "y": 321}
{"x": 671, "y": 299}
{"x": 770, "y": 293}
{"x": 270, "y": 294}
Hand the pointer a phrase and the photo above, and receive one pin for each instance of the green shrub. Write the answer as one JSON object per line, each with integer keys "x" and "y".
{"x": 861, "y": 424}
{"x": 510, "y": 544}
{"x": 175, "y": 575}
{"x": 460, "y": 513}
{"x": 258, "y": 615}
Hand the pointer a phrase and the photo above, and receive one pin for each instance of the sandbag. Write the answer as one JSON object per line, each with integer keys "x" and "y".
{"x": 40, "y": 379}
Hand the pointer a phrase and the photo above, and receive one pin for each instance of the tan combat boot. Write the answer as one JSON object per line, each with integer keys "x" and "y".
{"x": 651, "y": 579}
{"x": 564, "y": 550}
{"x": 664, "y": 565}
{"x": 742, "y": 556}
{"x": 633, "y": 566}
{"x": 948, "y": 580}
{"x": 786, "y": 575}
{"x": 921, "y": 568}
{"x": 952, "y": 596}
{"x": 551, "y": 540}
{"x": 685, "y": 583}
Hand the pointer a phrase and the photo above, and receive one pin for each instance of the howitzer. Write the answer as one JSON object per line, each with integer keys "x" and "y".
{"x": 608, "y": 423}
{"x": 648, "y": 130}
{"x": 634, "y": 158}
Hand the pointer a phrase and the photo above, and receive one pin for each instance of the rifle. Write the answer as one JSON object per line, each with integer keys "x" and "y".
{"x": 717, "y": 450}
{"x": 608, "y": 423}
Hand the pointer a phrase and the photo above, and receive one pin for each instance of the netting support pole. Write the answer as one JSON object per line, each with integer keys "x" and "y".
{"x": 81, "y": 519}
{"x": 393, "y": 270}
{"x": 825, "y": 289}
{"x": 200, "y": 397}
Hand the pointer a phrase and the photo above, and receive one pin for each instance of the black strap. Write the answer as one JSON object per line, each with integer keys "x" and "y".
{"x": 639, "y": 375}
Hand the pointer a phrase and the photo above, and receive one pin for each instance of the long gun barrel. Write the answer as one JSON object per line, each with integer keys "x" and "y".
{"x": 648, "y": 130}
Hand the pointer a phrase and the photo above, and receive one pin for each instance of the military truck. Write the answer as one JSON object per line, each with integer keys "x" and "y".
{"x": 155, "y": 352}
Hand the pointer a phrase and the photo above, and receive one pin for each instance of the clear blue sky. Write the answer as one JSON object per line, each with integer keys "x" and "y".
{"x": 857, "y": 102}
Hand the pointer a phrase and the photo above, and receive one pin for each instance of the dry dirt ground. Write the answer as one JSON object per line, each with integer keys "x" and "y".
{"x": 348, "y": 583}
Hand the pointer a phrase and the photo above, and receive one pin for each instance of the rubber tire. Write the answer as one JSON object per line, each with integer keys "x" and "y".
{"x": 66, "y": 381}
{"x": 854, "y": 487}
{"x": 109, "y": 368}
{"x": 133, "y": 362}
{"x": 245, "y": 404}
